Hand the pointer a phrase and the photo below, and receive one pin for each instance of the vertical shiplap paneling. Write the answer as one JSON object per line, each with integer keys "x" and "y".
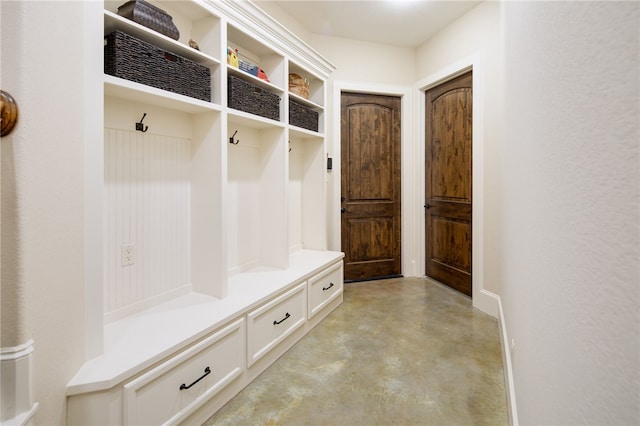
{"x": 244, "y": 234}
{"x": 146, "y": 203}
{"x": 296, "y": 176}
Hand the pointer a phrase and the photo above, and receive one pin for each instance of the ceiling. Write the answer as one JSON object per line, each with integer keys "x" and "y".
{"x": 396, "y": 22}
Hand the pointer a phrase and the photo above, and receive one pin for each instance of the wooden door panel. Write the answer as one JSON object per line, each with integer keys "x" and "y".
{"x": 369, "y": 151}
{"x": 451, "y": 153}
{"x": 370, "y": 147}
{"x": 365, "y": 230}
{"x": 448, "y": 208}
{"x": 451, "y": 243}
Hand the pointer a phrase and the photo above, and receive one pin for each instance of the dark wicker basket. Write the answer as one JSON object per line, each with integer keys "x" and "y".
{"x": 130, "y": 58}
{"x": 250, "y": 98}
{"x": 301, "y": 116}
{"x": 149, "y": 16}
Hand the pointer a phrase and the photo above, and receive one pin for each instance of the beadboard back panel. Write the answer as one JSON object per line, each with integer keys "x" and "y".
{"x": 147, "y": 207}
{"x": 257, "y": 218}
{"x": 243, "y": 206}
{"x": 296, "y": 178}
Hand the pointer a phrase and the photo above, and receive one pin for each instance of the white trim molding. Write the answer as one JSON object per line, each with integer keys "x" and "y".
{"x": 509, "y": 387}
{"x": 16, "y": 396}
{"x": 482, "y": 299}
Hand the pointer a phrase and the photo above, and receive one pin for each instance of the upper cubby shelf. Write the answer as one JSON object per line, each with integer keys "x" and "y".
{"x": 298, "y": 132}
{"x": 306, "y": 102}
{"x": 113, "y": 21}
{"x": 231, "y": 70}
{"x": 316, "y": 87}
{"x": 251, "y": 120}
{"x": 250, "y": 50}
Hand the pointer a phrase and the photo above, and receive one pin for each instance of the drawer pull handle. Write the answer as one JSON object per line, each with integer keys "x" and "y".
{"x": 327, "y": 288}
{"x": 282, "y": 320}
{"x": 207, "y": 371}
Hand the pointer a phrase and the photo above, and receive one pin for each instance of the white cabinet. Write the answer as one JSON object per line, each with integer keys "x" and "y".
{"x": 270, "y": 324}
{"x": 324, "y": 288}
{"x": 171, "y": 391}
{"x": 214, "y": 221}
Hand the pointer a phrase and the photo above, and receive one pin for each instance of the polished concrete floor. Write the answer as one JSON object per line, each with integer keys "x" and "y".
{"x": 405, "y": 351}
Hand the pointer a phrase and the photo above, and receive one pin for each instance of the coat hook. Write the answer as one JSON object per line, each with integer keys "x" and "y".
{"x": 232, "y": 140}
{"x": 141, "y": 127}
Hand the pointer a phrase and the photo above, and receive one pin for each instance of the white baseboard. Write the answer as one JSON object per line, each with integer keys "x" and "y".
{"x": 487, "y": 302}
{"x": 508, "y": 371}
{"x": 16, "y": 397}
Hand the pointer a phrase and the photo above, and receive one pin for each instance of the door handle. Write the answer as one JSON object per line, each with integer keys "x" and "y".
{"x": 8, "y": 112}
{"x": 427, "y": 206}
{"x": 344, "y": 210}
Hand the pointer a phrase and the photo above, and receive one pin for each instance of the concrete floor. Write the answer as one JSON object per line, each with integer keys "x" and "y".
{"x": 405, "y": 351}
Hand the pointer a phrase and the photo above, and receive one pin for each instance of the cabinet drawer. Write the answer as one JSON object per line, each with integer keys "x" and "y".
{"x": 173, "y": 390}
{"x": 270, "y": 324}
{"x": 324, "y": 287}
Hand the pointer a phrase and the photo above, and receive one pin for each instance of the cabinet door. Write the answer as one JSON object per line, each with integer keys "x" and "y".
{"x": 272, "y": 323}
{"x": 173, "y": 390}
{"x": 324, "y": 287}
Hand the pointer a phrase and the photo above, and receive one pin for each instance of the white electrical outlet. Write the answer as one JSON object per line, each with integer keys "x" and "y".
{"x": 128, "y": 254}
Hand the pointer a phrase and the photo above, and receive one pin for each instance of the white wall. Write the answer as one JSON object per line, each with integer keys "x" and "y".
{"x": 42, "y": 191}
{"x": 570, "y": 189}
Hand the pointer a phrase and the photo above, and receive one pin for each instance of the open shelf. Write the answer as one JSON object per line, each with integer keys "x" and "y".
{"x": 130, "y": 90}
{"x": 254, "y": 80}
{"x": 259, "y": 54}
{"x": 114, "y": 22}
{"x": 316, "y": 87}
{"x": 314, "y": 106}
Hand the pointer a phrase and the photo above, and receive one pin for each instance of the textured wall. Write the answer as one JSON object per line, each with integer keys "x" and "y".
{"x": 42, "y": 191}
{"x": 570, "y": 192}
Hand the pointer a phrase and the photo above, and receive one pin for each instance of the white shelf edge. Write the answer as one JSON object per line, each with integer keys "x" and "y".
{"x": 125, "y": 89}
{"x": 299, "y": 131}
{"x": 231, "y": 70}
{"x": 305, "y": 102}
{"x": 251, "y": 120}
{"x": 113, "y": 21}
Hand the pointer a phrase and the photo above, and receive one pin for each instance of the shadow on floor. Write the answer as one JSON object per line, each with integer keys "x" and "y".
{"x": 405, "y": 351}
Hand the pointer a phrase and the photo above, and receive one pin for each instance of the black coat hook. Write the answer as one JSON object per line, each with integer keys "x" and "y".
{"x": 232, "y": 140}
{"x": 141, "y": 127}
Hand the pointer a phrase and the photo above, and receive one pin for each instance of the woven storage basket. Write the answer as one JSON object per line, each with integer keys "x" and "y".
{"x": 250, "y": 98}
{"x": 301, "y": 116}
{"x": 149, "y": 16}
{"x": 130, "y": 58}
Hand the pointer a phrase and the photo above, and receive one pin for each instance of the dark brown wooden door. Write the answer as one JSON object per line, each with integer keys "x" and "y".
{"x": 448, "y": 183}
{"x": 370, "y": 141}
